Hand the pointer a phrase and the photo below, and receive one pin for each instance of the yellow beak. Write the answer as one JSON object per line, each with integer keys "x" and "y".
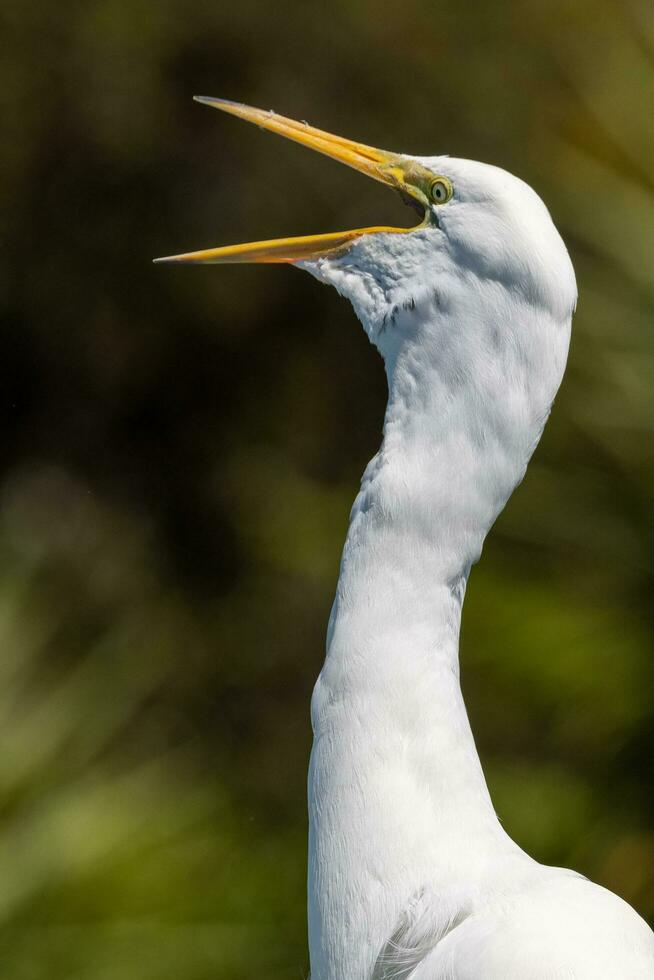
{"x": 401, "y": 173}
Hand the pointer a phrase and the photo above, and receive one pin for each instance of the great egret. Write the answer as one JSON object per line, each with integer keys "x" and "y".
{"x": 410, "y": 872}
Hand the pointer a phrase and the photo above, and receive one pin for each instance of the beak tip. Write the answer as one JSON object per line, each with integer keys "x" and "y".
{"x": 211, "y": 100}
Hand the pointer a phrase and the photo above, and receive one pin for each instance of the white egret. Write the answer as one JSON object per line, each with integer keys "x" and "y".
{"x": 411, "y": 875}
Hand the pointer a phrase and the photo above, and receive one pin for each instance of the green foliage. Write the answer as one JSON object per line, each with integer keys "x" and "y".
{"x": 181, "y": 447}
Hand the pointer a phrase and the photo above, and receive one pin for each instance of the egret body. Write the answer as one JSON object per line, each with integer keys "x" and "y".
{"x": 411, "y": 875}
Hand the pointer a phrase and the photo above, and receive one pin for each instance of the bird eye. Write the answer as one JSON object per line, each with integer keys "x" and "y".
{"x": 441, "y": 190}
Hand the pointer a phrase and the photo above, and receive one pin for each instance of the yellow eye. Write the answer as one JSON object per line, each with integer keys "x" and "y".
{"x": 441, "y": 190}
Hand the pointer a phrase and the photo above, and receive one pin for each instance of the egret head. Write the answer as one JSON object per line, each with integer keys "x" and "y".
{"x": 479, "y": 230}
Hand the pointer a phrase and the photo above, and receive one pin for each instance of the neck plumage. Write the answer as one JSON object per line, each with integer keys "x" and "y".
{"x": 398, "y": 801}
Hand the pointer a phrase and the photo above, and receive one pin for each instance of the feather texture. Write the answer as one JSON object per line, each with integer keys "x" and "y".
{"x": 411, "y": 876}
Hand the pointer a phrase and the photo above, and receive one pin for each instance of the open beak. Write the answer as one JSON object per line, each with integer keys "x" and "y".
{"x": 401, "y": 173}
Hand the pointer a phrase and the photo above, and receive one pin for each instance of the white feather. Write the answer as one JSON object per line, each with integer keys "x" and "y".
{"x": 411, "y": 875}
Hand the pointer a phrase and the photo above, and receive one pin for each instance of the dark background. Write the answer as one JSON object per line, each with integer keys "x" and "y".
{"x": 180, "y": 448}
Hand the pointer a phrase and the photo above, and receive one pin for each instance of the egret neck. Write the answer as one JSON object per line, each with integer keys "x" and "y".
{"x": 398, "y": 801}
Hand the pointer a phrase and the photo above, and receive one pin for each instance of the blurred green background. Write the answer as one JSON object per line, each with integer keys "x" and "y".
{"x": 180, "y": 448}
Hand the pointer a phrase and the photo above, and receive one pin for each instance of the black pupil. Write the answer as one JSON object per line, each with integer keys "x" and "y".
{"x": 439, "y": 191}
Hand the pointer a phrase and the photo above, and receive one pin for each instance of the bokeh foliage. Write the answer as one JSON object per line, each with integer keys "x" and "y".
{"x": 180, "y": 448}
